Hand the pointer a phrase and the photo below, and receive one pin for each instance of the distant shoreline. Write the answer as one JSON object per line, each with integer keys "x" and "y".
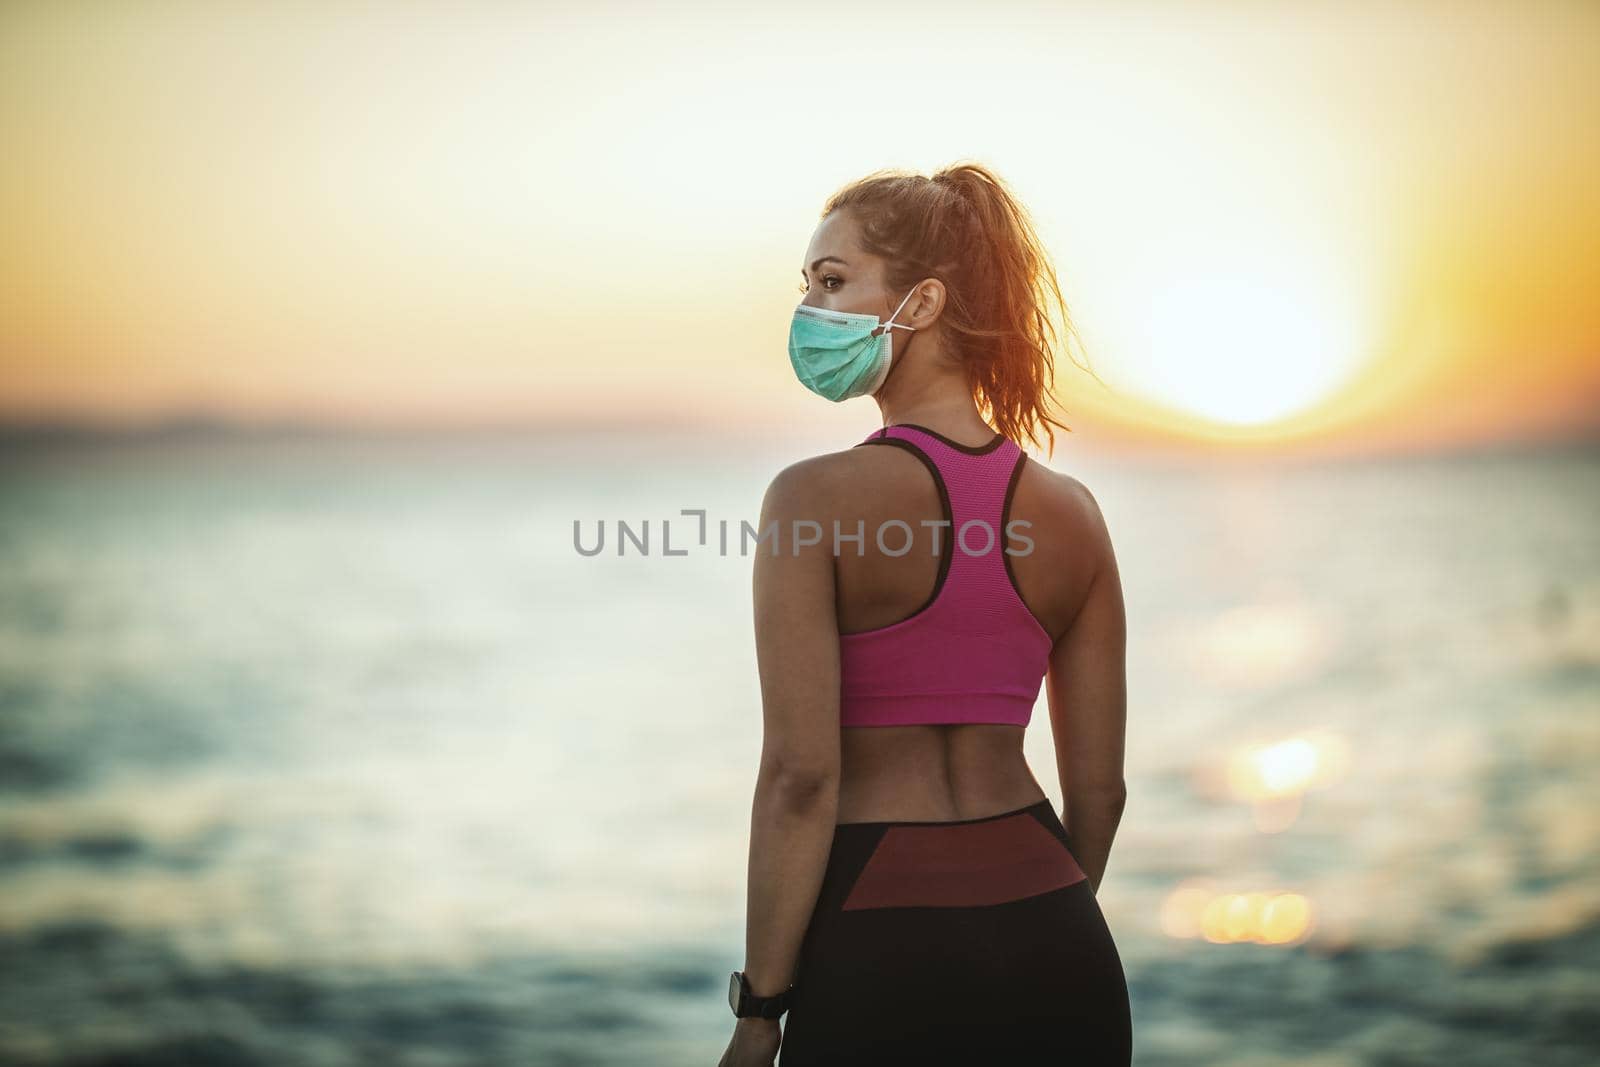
{"x": 20, "y": 436}
{"x": 48, "y": 431}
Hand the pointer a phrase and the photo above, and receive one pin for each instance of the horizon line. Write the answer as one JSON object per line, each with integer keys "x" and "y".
{"x": 200, "y": 425}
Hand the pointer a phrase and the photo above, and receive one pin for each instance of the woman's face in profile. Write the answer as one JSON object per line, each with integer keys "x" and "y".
{"x": 837, "y": 275}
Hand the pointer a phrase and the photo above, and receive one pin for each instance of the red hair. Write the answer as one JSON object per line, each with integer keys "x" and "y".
{"x": 965, "y": 227}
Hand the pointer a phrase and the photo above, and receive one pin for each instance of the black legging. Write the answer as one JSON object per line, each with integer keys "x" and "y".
{"x": 976, "y": 941}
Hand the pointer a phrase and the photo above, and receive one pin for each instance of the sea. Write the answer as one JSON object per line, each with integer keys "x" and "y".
{"x": 340, "y": 748}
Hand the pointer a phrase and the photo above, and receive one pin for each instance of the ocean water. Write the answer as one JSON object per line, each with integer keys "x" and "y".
{"x": 335, "y": 751}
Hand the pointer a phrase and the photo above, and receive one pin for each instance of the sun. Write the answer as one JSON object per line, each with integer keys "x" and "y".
{"x": 1247, "y": 344}
{"x": 1247, "y": 351}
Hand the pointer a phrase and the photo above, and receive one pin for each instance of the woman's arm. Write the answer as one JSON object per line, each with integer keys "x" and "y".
{"x": 797, "y": 786}
{"x": 1087, "y": 687}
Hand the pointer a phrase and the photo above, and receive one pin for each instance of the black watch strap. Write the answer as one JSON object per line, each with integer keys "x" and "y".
{"x": 747, "y": 1005}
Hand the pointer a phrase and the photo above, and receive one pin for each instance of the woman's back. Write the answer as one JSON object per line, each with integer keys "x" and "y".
{"x": 954, "y": 624}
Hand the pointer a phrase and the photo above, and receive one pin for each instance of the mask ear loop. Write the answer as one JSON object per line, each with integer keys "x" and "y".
{"x": 893, "y": 325}
{"x": 889, "y": 370}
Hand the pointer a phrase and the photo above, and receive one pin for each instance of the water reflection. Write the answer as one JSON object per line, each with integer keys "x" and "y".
{"x": 344, "y": 745}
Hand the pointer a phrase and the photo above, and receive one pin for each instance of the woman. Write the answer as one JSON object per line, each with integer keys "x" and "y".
{"x": 913, "y": 896}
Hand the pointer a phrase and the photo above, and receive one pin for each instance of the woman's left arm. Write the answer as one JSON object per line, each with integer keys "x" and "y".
{"x": 797, "y": 785}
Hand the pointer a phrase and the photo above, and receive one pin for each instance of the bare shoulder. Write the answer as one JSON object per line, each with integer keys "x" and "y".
{"x": 808, "y": 486}
{"x": 1067, "y": 504}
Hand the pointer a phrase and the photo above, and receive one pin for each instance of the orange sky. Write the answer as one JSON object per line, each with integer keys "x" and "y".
{"x": 1271, "y": 225}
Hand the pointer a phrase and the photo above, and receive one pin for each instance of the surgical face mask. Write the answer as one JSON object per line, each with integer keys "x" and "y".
{"x": 836, "y": 355}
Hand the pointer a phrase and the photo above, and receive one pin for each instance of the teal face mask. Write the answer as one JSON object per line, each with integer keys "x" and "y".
{"x": 835, "y": 353}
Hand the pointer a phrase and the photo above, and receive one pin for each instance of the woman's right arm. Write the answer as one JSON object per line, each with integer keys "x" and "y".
{"x": 1088, "y": 695}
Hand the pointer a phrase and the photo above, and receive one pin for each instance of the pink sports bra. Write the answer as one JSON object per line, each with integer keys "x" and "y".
{"x": 973, "y": 652}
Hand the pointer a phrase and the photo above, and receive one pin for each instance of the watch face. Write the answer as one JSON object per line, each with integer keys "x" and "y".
{"x": 733, "y": 992}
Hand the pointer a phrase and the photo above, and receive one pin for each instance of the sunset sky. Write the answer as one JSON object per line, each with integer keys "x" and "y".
{"x": 1271, "y": 222}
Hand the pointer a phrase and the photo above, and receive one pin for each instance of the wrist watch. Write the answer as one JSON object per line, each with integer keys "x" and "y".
{"x": 746, "y": 1004}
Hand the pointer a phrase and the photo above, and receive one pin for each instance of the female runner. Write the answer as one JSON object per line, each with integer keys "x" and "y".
{"x": 913, "y": 896}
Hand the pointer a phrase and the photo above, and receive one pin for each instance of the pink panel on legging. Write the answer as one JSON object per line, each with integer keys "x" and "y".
{"x": 963, "y": 864}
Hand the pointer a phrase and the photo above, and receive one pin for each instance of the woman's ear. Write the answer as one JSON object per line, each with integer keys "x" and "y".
{"x": 926, "y": 303}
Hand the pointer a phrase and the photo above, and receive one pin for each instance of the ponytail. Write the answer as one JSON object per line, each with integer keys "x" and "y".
{"x": 965, "y": 227}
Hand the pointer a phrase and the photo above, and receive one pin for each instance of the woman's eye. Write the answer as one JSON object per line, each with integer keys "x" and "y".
{"x": 826, "y": 278}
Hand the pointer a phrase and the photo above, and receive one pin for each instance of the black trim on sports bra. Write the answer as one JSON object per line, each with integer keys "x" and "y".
{"x": 971, "y": 450}
{"x": 949, "y": 518}
{"x": 1005, "y": 520}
